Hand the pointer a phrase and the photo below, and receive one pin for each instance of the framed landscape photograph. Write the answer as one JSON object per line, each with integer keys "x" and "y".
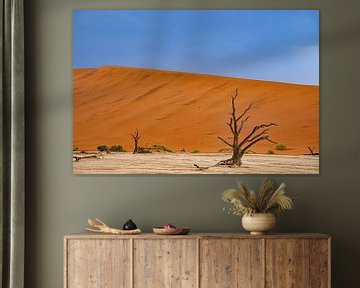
{"x": 196, "y": 92}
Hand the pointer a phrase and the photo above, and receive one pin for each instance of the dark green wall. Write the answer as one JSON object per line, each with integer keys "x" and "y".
{"x": 59, "y": 203}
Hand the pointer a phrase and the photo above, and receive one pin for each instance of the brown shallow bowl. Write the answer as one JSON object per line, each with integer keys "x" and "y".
{"x": 171, "y": 231}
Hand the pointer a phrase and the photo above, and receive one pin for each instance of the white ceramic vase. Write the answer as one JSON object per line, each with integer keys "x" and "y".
{"x": 259, "y": 223}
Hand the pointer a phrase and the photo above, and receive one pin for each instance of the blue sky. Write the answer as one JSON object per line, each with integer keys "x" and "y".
{"x": 276, "y": 45}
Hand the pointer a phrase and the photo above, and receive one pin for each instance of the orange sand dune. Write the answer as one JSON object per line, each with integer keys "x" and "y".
{"x": 187, "y": 111}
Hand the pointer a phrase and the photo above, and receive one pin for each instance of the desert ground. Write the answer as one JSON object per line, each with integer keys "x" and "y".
{"x": 183, "y": 163}
{"x": 187, "y": 111}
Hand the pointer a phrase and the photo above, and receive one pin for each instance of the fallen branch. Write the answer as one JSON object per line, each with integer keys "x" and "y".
{"x": 202, "y": 168}
{"x": 100, "y": 227}
{"x": 220, "y": 163}
{"x": 77, "y": 158}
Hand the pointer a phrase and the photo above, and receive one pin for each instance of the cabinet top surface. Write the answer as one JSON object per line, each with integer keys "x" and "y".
{"x": 86, "y": 235}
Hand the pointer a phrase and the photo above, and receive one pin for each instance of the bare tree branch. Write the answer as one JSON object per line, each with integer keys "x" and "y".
{"x": 258, "y": 135}
{"x": 242, "y": 124}
{"x": 245, "y": 111}
{"x": 233, "y": 115}
{"x": 256, "y": 141}
{"x": 256, "y": 128}
{"x": 136, "y": 134}
{"x": 231, "y": 125}
{"x": 312, "y": 151}
{"x": 227, "y": 143}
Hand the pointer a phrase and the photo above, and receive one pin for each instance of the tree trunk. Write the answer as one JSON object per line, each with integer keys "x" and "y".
{"x": 236, "y": 157}
{"x": 135, "y": 146}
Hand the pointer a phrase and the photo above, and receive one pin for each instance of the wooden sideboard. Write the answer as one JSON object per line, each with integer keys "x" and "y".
{"x": 197, "y": 260}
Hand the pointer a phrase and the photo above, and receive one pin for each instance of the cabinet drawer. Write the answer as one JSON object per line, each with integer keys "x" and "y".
{"x": 98, "y": 263}
{"x": 297, "y": 263}
{"x": 230, "y": 263}
{"x": 165, "y": 263}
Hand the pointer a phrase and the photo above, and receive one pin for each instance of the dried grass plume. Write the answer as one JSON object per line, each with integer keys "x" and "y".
{"x": 267, "y": 200}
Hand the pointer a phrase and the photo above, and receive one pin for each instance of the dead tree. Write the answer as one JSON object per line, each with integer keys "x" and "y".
{"x": 136, "y": 137}
{"x": 312, "y": 151}
{"x": 240, "y": 145}
{"x": 236, "y": 125}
